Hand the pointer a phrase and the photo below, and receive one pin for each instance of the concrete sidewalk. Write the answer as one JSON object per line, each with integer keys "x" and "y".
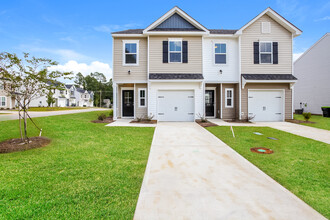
{"x": 301, "y": 130}
{"x": 126, "y": 123}
{"x": 13, "y": 115}
{"x": 191, "y": 174}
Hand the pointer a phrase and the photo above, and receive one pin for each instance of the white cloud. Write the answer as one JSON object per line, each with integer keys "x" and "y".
{"x": 296, "y": 56}
{"x": 108, "y": 28}
{"x": 326, "y": 18}
{"x": 85, "y": 69}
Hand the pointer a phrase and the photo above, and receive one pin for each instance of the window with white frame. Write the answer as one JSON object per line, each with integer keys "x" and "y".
{"x": 220, "y": 53}
{"x": 142, "y": 97}
{"x": 175, "y": 51}
{"x": 131, "y": 53}
{"x": 229, "y": 98}
{"x": 2, "y": 101}
{"x": 266, "y": 53}
{"x": 2, "y": 86}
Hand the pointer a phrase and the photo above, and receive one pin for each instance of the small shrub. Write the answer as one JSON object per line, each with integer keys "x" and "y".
{"x": 149, "y": 118}
{"x": 202, "y": 117}
{"x": 307, "y": 115}
{"x": 102, "y": 117}
{"x": 139, "y": 118}
{"x": 111, "y": 113}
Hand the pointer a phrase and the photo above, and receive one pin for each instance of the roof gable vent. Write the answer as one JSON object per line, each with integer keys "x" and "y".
{"x": 176, "y": 22}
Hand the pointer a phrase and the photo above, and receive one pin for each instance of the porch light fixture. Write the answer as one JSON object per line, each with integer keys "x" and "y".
{"x": 129, "y": 72}
{"x": 220, "y": 71}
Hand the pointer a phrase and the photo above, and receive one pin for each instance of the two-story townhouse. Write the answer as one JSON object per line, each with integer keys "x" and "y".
{"x": 7, "y": 101}
{"x": 86, "y": 98}
{"x": 178, "y": 70}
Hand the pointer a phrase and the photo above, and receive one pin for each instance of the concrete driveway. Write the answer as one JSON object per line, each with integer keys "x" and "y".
{"x": 191, "y": 174}
{"x": 12, "y": 115}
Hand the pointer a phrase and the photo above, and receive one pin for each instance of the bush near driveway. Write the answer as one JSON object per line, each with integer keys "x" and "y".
{"x": 299, "y": 164}
{"x": 320, "y": 121}
{"x": 89, "y": 171}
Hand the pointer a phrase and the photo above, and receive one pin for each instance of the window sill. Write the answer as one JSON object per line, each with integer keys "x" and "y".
{"x": 130, "y": 64}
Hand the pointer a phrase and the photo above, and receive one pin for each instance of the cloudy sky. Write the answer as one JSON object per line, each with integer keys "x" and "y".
{"x": 77, "y": 33}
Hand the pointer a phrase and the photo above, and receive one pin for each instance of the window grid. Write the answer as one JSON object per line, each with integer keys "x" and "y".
{"x": 176, "y": 49}
{"x": 142, "y": 97}
{"x": 220, "y": 51}
{"x": 229, "y": 99}
{"x": 266, "y": 52}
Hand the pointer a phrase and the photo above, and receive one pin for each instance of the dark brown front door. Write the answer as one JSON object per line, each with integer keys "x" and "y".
{"x": 128, "y": 103}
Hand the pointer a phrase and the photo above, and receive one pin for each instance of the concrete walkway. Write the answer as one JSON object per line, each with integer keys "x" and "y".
{"x": 301, "y": 130}
{"x": 13, "y": 115}
{"x": 191, "y": 174}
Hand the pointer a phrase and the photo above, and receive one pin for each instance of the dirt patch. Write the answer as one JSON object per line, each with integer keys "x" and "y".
{"x": 145, "y": 122}
{"x": 205, "y": 124}
{"x": 237, "y": 121}
{"x": 14, "y": 145}
{"x": 107, "y": 120}
{"x": 299, "y": 121}
{"x": 261, "y": 150}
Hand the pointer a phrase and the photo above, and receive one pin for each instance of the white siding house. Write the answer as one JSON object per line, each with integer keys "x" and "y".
{"x": 313, "y": 72}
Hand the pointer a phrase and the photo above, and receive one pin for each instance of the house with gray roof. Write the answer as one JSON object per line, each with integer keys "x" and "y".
{"x": 176, "y": 69}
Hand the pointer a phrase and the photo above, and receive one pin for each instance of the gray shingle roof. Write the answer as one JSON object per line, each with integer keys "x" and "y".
{"x": 140, "y": 31}
{"x": 222, "y": 31}
{"x": 68, "y": 86}
{"x": 129, "y": 31}
{"x": 175, "y": 76}
{"x": 269, "y": 77}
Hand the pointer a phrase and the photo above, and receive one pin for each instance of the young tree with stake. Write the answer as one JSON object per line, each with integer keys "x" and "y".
{"x": 28, "y": 78}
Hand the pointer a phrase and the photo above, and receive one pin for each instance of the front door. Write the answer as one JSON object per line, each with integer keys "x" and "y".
{"x": 128, "y": 103}
{"x": 209, "y": 103}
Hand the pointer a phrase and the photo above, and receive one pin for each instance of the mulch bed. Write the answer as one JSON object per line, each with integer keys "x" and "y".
{"x": 261, "y": 150}
{"x": 145, "y": 122}
{"x": 14, "y": 145}
{"x": 107, "y": 120}
{"x": 299, "y": 121}
{"x": 205, "y": 124}
{"x": 238, "y": 121}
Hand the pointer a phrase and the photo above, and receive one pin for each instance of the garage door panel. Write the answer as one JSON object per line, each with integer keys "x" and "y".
{"x": 175, "y": 105}
{"x": 266, "y": 105}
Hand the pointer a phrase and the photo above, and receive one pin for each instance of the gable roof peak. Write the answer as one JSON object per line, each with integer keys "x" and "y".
{"x": 182, "y": 14}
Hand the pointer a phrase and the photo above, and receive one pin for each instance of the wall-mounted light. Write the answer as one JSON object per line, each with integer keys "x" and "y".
{"x": 129, "y": 72}
{"x": 220, "y": 71}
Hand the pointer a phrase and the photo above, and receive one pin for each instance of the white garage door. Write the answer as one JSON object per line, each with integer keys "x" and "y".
{"x": 175, "y": 105}
{"x": 266, "y": 105}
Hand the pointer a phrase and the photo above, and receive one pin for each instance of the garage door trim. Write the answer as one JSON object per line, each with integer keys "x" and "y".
{"x": 283, "y": 103}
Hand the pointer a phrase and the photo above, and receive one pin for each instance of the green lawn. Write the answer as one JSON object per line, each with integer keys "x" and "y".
{"x": 321, "y": 122}
{"x": 301, "y": 165}
{"x": 41, "y": 109}
{"x": 89, "y": 171}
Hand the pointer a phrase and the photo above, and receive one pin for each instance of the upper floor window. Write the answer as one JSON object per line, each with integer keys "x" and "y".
{"x": 142, "y": 97}
{"x": 229, "y": 98}
{"x": 131, "y": 52}
{"x": 2, "y": 86}
{"x": 72, "y": 93}
{"x": 266, "y": 52}
{"x": 220, "y": 53}
{"x": 175, "y": 51}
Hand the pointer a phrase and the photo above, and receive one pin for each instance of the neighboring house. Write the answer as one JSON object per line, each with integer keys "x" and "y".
{"x": 7, "y": 101}
{"x": 68, "y": 96}
{"x": 177, "y": 70}
{"x": 313, "y": 70}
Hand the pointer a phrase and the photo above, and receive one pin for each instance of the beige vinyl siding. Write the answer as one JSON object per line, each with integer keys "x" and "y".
{"x": 120, "y": 72}
{"x": 156, "y": 64}
{"x": 285, "y": 86}
{"x": 278, "y": 34}
{"x": 140, "y": 111}
{"x": 229, "y": 113}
